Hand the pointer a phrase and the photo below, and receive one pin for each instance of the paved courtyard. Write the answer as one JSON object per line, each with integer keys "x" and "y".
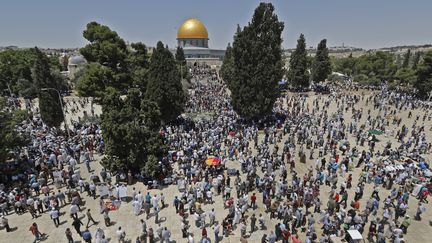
{"x": 419, "y": 231}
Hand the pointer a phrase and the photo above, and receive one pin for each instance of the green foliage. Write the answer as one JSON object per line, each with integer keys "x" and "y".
{"x": 138, "y": 62}
{"x": 378, "y": 66}
{"x": 49, "y": 103}
{"x": 321, "y": 67}
{"x": 164, "y": 86}
{"x": 423, "y": 83}
{"x": 416, "y": 60}
{"x": 227, "y": 68}
{"x": 16, "y": 71}
{"x": 257, "y": 65}
{"x": 297, "y": 72}
{"x": 364, "y": 79}
{"x": 105, "y": 47}
{"x": 94, "y": 81}
{"x": 345, "y": 65}
{"x": 181, "y": 63}
{"x": 406, "y": 60}
{"x": 379, "y": 63}
{"x": 15, "y": 67}
{"x": 130, "y": 131}
{"x": 406, "y": 76}
{"x": 109, "y": 50}
{"x": 139, "y": 57}
{"x": 179, "y": 56}
{"x": 10, "y": 139}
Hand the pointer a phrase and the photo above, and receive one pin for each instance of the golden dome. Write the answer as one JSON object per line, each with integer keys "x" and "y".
{"x": 192, "y": 29}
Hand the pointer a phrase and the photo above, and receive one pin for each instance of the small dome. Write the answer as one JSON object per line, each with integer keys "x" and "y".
{"x": 192, "y": 29}
{"x": 77, "y": 60}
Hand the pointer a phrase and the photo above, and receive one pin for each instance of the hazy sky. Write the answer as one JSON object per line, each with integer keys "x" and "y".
{"x": 359, "y": 23}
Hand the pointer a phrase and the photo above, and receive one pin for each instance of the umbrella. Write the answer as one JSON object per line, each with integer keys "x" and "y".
{"x": 212, "y": 160}
{"x": 375, "y": 132}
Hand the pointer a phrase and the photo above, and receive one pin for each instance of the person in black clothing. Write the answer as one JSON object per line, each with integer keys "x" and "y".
{"x": 77, "y": 225}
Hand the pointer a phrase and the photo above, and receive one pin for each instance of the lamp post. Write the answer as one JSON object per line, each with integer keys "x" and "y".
{"x": 61, "y": 105}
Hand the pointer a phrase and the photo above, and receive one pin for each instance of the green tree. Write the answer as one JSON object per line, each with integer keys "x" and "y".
{"x": 406, "y": 60}
{"x": 345, "y": 65}
{"x": 298, "y": 73}
{"x": 164, "y": 86}
{"x": 181, "y": 63}
{"x": 109, "y": 50}
{"x": 180, "y": 56}
{"x": 321, "y": 67}
{"x": 95, "y": 79}
{"x": 10, "y": 139}
{"x": 416, "y": 59}
{"x": 138, "y": 65}
{"x": 105, "y": 47}
{"x": 16, "y": 71}
{"x": 406, "y": 75}
{"x": 379, "y": 64}
{"x": 227, "y": 68}
{"x": 130, "y": 132}
{"x": 258, "y": 64}
{"x": 49, "y": 101}
{"x": 423, "y": 83}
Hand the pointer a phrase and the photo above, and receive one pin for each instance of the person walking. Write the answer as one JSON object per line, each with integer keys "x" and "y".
{"x": 86, "y": 235}
{"x": 99, "y": 235}
{"x": 176, "y": 204}
{"x": 216, "y": 233}
{"x": 35, "y": 231}
{"x": 4, "y": 222}
{"x": 166, "y": 234}
{"x": 69, "y": 237}
{"x": 90, "y": 218}
{"x": 54, "y": 214}
{"x": 77, "y": 225}
{"x": 106, "y": 217}
{"x": 253, "y": 220}
{"x": 121, "y": 235}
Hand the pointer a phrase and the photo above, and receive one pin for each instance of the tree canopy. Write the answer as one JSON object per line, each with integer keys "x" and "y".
{"x": 321, "y": 67}
{"x": 227, "y": 68}
{"x": 257, "y": 66}
{"x": 10, "y": 139}
{"x": 423, "y": 83}
{"x": 49, "y": 100}
{"x": 164, "y": 86}
{"x": 130, "y": 129}
{"x": 298, "y": 69}
{"x": 16, "y": 72}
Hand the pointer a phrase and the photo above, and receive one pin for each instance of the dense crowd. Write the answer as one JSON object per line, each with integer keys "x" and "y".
{"x": 274, "y": 173}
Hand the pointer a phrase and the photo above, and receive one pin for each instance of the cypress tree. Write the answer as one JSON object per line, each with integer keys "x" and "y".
{"x": 257, "y": 68}
{"x": 179, "y": 56}
{"x": 406, "y": 60}
{"x": 297, "y": 73}
{"x": 416, "y": 60}
{"x": 164, "y": 86}
{"x": 321, "y": 67}
{"x": 226, "y": 70}
{"x": 424, "y": 76}
{"x": 49, "y": 103}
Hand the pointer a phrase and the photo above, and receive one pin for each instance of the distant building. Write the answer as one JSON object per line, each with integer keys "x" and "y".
{"x": 75, "y": 63}
{"x": 192, "y": 36}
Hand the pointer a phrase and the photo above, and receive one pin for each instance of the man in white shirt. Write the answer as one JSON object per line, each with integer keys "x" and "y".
{"x": 212, "y": 216}
{"x": 120, "y": 234}
{"x": 54, "y": 214}
{"x": 73, "y": 211}
{"x": 166, "y": 234}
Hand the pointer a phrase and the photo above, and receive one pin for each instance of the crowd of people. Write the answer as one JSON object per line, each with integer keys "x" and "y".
{"x": 304, "y": 170}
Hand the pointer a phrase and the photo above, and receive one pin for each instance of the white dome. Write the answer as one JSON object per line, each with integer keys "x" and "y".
{"x": 77, "y": 60}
